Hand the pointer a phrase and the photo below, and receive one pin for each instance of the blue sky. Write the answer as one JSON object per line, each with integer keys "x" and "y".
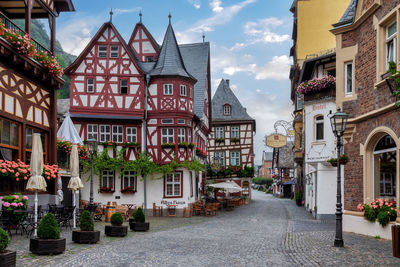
{"x": 250, "y": 42}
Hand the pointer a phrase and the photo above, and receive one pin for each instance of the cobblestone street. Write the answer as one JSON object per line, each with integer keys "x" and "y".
{"x": 268, "y": 232}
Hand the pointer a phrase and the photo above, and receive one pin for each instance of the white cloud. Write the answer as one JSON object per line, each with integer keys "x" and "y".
{"x": 196, "y": 3}
{"x": 75, "y": 34}
{"x": 119, "y": 11}
{"x": 216, "y": 6}
{"x": 277, "y": 69}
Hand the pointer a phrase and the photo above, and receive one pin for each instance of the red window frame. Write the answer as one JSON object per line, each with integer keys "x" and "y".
{"x": 165, "y": 186}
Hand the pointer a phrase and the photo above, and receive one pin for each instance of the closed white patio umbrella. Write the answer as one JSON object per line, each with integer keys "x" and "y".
{"x": 75, "y": 183}
{"x": 230, "y": 187}
{"x": 36, "y": 182}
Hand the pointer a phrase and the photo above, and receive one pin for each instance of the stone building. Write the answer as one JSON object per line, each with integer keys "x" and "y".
{"x": 266, "y": 165}
{"x": 366, "y": 41}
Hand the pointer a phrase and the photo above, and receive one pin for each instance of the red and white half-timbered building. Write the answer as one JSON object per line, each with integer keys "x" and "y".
{"x": 110, "y": 82}
{"x": 231, "y": 142}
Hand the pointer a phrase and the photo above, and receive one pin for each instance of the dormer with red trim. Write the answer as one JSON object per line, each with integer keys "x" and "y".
{"x": 106, "y": 78}
{"x": 143, "y": 44}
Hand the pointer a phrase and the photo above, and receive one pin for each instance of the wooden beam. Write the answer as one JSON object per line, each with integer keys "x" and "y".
{"x": 52, "y": 25}
{"x": 28, "y": 16}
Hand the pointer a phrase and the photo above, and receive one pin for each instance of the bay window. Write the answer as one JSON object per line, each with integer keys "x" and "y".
{"x": 181, "y": 135}
{"x": 167, "y": 135}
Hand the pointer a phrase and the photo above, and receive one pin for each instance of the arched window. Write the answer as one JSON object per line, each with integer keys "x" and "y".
{"x": 385, "y": 168}
{"x": 227, "y": 110}
{"x": 319, "y": 127}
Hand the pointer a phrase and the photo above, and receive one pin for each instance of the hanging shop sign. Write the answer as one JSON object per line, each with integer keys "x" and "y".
{"x": 276, "y": 140}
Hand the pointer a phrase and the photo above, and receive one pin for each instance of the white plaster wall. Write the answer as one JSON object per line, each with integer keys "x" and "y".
{"x": 155, "y": 191}
{"x": 326, "y": 189}
{"x": 360, "y": 225}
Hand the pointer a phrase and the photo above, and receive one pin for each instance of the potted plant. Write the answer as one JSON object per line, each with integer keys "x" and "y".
{"x": 298, "y": 198}
{"x": 333, "y": 162}
{"x": 138, "y": 222}
{"x": 48, "y": 241}
{"x": 116, "y": 228}
{"x": 183, "y": 144}
{"x": 7, "y": 257}
{"x": 343, "y": 159}
{"x": 87, "y": 234}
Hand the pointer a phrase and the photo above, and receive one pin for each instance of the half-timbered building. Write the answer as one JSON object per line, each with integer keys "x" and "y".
{"x": 27, "y": 89}
{"x": 230, "y": 147}
{"x": 144, "y": 97}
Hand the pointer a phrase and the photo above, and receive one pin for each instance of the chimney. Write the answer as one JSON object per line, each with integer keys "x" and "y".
{"x": 227, "y": 82}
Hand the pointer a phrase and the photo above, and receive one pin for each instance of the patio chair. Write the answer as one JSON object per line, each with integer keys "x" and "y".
{"x": 5, "y": 221}
{"x": 197, "y": 208}
{"x": 66, "y": 216}
{"x": 157, "y": 209}
{"x": 188, "y": 210}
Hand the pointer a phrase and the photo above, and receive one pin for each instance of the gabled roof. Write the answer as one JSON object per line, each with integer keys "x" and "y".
{"x": 92, "y": 42}
{"x": 348, "y": 16}
{"x": 170, "y": 62}
{"x": 196, "y": 58}
{"x": 148, "y": 34}
{"x": 224, "y": 95}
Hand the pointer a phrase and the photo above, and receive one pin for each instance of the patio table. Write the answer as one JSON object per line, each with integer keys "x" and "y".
{"x": 171, "y": 210}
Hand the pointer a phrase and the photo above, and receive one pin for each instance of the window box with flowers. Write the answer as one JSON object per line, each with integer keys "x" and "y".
{"x": 318, "y": 88}
{"x": 235, "y": 139}
{"x": 168, "y": 145}
{"x": 128, "y": 189}
{"x": 183, "y": 144}
{"x": 379, "y": 209}
{"x": 191, "y": 145}
{"x": 18, "y": 170}
{"x": 219, "y": 140}
{"x": 131, "y": 144}
{"x": 14, "y": 202}
{"x": 201, "y": 153}
{"x": 107, "y": 189}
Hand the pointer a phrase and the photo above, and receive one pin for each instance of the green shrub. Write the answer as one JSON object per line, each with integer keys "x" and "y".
{"x": 298, "y": 195}
{"x": 86, "y": 221}
{"x": 138, "y": 215}
{"x": 263, "y": 181}
{"x": 4, "y": 240}
{"x": 48, "y": 227}
{"x": 117, "y": 219}
{"x": 370, "y": 214}
{"x": 383, "y": 218}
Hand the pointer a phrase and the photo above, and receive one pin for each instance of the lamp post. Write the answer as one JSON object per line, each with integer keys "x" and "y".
{"x": 338, "y": 123}
{"x": 92, "y": 146}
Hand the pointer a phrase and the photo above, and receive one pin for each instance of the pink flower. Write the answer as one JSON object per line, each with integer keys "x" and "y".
{"x": 6, "y": 204}
{"x": 25, "y": 197}
{"x": 3, "y": 170}
{"x": 14, "y": 204}
{"x": 16, "y": 196}
{"x": 20, "y": 204}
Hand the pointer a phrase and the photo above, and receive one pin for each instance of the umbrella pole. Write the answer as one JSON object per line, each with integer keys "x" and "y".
{"x": 36, "y": 205}
{"x": 73, "y": 203}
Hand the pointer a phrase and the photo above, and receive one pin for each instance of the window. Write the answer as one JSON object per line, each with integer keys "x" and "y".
{"x": 385, "y": 168}
{"x": 168, "y": 89}
{"x": 28, "y": 142}
{"x": 348, "y": 69}
{"x": 117, "y": 133}
{"x": 183, "y": 90}
{"x": 235, "y": 158}
{"x": 107, "y": 180}
{"x": 167, "y": 121}
{"x": 391, "y": 33}
{"x": 220, "y": 156}
{"x": 167, "y": 135}
{"x": 173, "y": 185}
{"x": 102, "y": 53}
{"x": 235, "y": 133}
{"x": 227, "y": 110}
{"x": 190, "y": 135}
{"x": 299, "y": 101}
{"x": 105, "y": 133}
{"x": 90, "y": 85}
{"x": 331, "y": 72}
{"x": 114, "y": 51}
{"x": 181, "y": 121}
{"x": 129, "y": 180}
{"x": 190, "y": 92}
{"x": 123, "y": 86}
{"x": 219, "y": 132}
{"x": 131, "y": 134}
{"x": 181, "y": 135}
{"x": 319, "y": 128}
{"x": 150, "y": 59}
{"x": 92, "y": 131}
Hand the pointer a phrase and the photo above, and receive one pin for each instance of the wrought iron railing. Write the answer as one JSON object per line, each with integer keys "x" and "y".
{"x": 12, "y": 26}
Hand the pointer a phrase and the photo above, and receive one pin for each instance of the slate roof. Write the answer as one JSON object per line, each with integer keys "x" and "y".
{"x": 170, "y": 62}
{"x": 224, "y": 95}
{"x": 348, "y": 16}
{"x": 196, "y": 57}
{"x": 286, "y": 156}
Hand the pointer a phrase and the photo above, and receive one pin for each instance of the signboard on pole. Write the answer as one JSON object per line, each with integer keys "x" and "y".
{"x": 276, "y": 140}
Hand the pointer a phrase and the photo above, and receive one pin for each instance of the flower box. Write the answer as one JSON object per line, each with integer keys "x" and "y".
{"x": 183, "y": 145}
{"x": 191, "y": 145}
{"x": 8, "y": 258}
{"x": 128, "y": 189}
{"x": 168, "y": 145}
{"x": 106, "y": 189}
{"x": 85, "y": 237}
{"x": 235, "y": 139}
{"x": 219, "y": 140}
{"x": 113, "y": 230}
{"x": 47, "y": 246}
{"x": 139, "y": 227}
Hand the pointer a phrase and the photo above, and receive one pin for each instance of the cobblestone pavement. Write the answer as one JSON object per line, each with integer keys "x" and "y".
{"x": 267, "y": 232}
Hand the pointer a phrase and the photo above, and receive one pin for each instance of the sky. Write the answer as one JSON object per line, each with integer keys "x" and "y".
{"x": 250, "y": 42}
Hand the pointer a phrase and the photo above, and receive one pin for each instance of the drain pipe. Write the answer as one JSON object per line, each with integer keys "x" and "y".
{"x": 145, "y": 138}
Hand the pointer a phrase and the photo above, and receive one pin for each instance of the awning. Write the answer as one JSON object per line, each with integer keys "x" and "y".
{"x": 289, "y": 183}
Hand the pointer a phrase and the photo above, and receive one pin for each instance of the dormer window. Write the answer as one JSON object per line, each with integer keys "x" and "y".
{"x": 227, "y": 110}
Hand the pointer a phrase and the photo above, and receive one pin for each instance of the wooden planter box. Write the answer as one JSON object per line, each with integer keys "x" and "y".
{"x": 47, "y": 246}
{"x": 111, "y": 230}
{"x": 8, "y": 258}
{"x": 86, "y": 237}
{"x": 139, "y": 227}
{"x": 328, "y": 92}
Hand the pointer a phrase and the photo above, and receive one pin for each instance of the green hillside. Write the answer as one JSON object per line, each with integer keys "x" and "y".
{"x": 39, "y": 34}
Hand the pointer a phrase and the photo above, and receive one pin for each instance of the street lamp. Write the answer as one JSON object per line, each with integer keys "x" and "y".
{"x": 92, "y": 146}
{"x": 338, "y": 122}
